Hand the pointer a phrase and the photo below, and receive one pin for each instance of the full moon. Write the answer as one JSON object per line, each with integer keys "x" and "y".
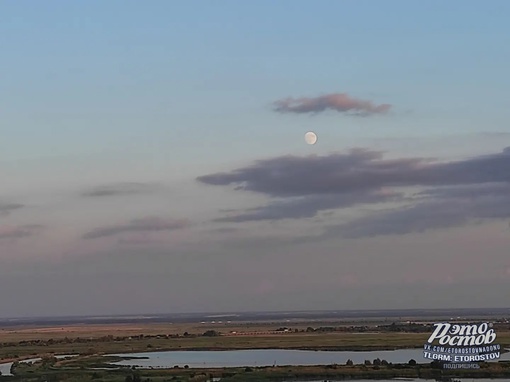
{"x": 311, "y": 138}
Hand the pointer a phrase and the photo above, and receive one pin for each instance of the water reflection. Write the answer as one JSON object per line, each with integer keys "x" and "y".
{"x": 269, "y": 357}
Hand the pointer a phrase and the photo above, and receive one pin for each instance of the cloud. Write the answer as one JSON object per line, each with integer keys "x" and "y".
{"x": 294, "y": 176}
{"x": 453, "y": 192}
{"x": 340, "y": 102}
{"x": 6, "y": 209}
{"x": 119, "y": 189}
{"x": 147, "y": 224}
{"x": 225, "y": 230}
{"x": 358, "y": 170}
{"x": 16, "y": 232}
{"x": 309, "y": 206}
{"x": 442, "y": 208}
{"x": 470, "y": 192}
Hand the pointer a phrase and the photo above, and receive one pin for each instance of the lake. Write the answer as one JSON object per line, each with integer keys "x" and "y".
{"x": 265, "y": 357}
{"x": 268, "y": 357}
{"x": 5, "y": 368}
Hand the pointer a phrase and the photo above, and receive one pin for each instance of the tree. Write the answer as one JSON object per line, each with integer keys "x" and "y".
{"x": 14, "y": 365}
{"x": 412, "y": 362}
{"x": 349, "y": 362}
{"x": 367, "y": 362}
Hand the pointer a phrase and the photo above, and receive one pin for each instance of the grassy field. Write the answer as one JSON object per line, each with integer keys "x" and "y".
{"x": 330, "y": 341}
{"x": 95, "y": 331}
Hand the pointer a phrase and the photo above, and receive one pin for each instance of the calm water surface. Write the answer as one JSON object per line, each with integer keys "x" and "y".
{"x": 241, "y": 358}
{"x": 5, "y": 368}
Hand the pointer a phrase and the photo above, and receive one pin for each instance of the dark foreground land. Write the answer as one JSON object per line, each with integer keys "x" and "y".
{"x": 80, "y": 370}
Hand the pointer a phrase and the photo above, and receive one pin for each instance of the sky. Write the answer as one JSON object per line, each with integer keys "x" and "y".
{"x": 153, "y": 160}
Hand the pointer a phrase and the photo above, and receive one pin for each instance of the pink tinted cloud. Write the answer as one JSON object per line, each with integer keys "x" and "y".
{"x": 17, "y": 232}
{"x": 340, "y": 102}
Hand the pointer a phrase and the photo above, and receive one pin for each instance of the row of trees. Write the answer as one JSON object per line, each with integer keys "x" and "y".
{"x": 394, "y": 327}
{"x": 109, "y": 338}
{"x": 378, "y": 362}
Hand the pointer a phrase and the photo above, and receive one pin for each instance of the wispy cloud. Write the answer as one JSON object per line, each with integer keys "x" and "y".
{"x": 147, "y": 224}
{"x": 309, "y": 206}
{"x": 120, "y": 189}
{"x": 456, "y": 192}
{"x": 340, "y": 102}
{"x": 16, "y": 232}
{"x": 6, "y": 209}
{"x": 442, "y": 208}
{"x": 225, "y": 230}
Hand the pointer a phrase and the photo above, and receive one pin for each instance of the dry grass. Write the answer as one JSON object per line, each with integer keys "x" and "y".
{"x": 24, "y": 333}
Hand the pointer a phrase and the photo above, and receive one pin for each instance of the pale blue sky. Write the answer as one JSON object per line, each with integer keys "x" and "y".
{"x": 88, "y": 76}
{"x": 97, "y": 93}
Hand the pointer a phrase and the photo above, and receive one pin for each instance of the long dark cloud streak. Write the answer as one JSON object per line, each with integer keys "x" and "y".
{"x": 6, "y": 209}
{"x": 18, "y": 232}
{"x": 119, "y": 189}
{"x": 309, "y": 206}
{"x": 340, "y": 102}
{"x": 359, "y": 170}
{"x": 148, "y": 224}
{"x": 456, "y": 192}
{"x": 450, "y": 207}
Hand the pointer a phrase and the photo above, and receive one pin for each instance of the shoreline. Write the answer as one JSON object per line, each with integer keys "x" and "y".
{"x": 400, "y": 371}
{"x": 100, "y": 366}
